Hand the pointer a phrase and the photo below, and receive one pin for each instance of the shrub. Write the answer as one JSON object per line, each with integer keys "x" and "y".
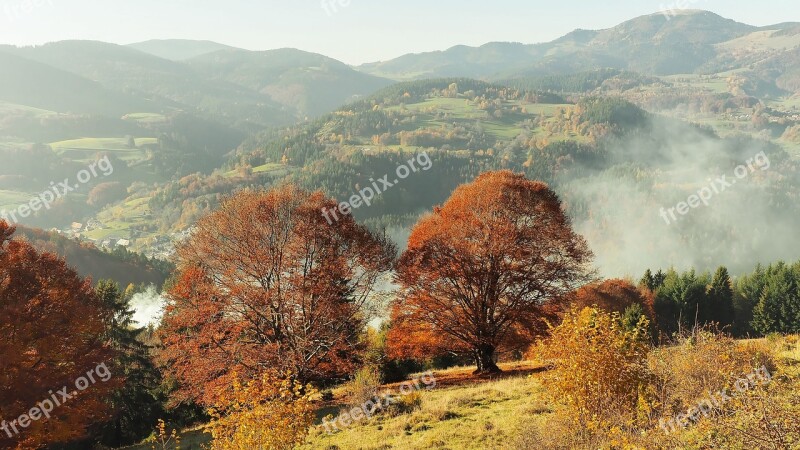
{"x": 600, "y": 368}
{"x": 269, "y": 413}
{"x": 701, "y": 362}
{"x": 406, "y": 404}
{"x": 364, "y": 386}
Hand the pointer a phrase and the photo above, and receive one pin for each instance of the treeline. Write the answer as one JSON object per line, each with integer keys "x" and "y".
{"x": 762, "y": 302}
{"x": 581, "y": 82}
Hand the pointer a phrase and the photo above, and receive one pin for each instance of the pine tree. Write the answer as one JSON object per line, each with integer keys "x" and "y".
{"x": 720, "y": 298}
{"x": 778, "y": 310}
{"x": 137, "y": 403}
{"x": 749, "y": 289}
{"x": 648, "y": 281}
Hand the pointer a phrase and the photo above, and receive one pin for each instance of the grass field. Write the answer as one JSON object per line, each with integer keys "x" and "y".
{"x": 463, "y": 412}
{"x": 275, "y": 169}
{"x": 119, "y": 220}
{"x": 713, "y": 83}
{"x": 83, "y": 150}
{"x": 12, "y": 108}
{"x": 10, "y": 200}
{"x": 146, "y": 118}
{"x": 463, "y": 111}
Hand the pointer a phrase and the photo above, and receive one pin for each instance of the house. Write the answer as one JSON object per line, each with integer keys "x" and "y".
{"x": 123, "y": 243}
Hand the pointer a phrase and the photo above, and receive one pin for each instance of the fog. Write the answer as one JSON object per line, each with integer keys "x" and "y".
{"x": 744, "y": 222}
{"x": 149, "y": 306}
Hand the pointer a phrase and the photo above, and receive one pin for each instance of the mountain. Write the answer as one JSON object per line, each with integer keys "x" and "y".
{"x": 312, "y": 84}
{"x": 247, "y": 89}
{"x": 461, "y": 60}
{"x": 34, "y": 84}
{"x": 656, "y": 44}
{"x": 178, "y": 49}
{"x": 170, "y": 83}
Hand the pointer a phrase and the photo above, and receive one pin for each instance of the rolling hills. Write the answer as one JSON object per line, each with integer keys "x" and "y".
{"x": 688, "y": 42}
{"x": 178, "y": 49}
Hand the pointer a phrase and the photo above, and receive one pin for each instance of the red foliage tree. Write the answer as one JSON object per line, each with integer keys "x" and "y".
{"x": 53, "y": 329}
{"x": 487, "y": 269}
{"x": 613, "y": 296}
{"x": 266, "y": 283}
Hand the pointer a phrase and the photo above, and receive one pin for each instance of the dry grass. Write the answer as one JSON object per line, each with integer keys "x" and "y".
{"x": 513, "y": 411}
{"x": 461, "y": 412}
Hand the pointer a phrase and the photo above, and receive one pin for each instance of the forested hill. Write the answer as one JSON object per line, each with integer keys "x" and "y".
{"x": 612, "y": 162}
{"x": 667, "y": 43}
{"x": 124, "y": 267}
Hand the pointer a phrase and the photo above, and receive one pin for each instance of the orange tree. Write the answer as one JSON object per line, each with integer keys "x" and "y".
{"x": 486, "y": 270}
{"x": 266, "y": 283}
{"x": 53, "y": 329}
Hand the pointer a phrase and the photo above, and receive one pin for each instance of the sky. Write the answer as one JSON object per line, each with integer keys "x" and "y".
{"x": 353, "y": 31}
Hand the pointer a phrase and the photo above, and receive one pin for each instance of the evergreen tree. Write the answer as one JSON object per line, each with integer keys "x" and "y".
{"x": 749, "y": 289}
{"x": 720, "y": 298}
{"x": 137, "y": 404}
{"x": 647, "y": 281}
{"x": 681, "y": 301}
{"x": 778, "y": 310}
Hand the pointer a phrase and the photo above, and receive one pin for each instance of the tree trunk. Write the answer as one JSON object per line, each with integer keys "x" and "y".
{"x": 484, "y": 358}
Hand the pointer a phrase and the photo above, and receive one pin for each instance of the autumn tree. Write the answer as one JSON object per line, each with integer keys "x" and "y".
{"x": 53, "y": 329}
{"x": 266, "y": 413}
{"x": 267, "y": 283}
{"x": 613, "y": 296}
{"x": 488, "y": 268}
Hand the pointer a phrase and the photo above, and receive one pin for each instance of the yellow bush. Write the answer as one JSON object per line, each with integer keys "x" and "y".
{"x": 164, "y": 440}
{"x": 600, "y": 372}
{"x": 702, "y": 362}
{"x": 266, "y": 414}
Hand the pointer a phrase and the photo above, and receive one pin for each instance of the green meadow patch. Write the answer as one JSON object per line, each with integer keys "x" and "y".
{"x": 85, "y": 149}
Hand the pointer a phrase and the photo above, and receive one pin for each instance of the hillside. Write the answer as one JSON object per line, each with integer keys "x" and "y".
{"x": 122, "y": 267}
{"x": 38, "y": 85}
{"x": 514, "y": 411}
{"x": 309, "y": 83}
{"x": 178, "y": 49}
{"x": 169, "y": 82}
{"x": 653, "y": 45}
{"x": 247, "y": 90}
{"x": 594, "y": 151}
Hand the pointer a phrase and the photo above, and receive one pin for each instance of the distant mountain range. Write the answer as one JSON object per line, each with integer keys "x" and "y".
{"x": 657, "y": 44}
{"x": 179, "y": 49}
{"x": 279, "y": 87}
{"x": 260, "y": 88}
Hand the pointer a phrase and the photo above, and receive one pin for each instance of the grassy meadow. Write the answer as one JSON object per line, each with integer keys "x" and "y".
{"x": 512, "y": 411}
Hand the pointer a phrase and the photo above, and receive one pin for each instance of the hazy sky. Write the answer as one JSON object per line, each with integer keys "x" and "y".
{"x": 354, "y": 31}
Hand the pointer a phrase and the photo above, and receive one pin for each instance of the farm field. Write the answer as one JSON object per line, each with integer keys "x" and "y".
{"x": 85, "y": 149}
